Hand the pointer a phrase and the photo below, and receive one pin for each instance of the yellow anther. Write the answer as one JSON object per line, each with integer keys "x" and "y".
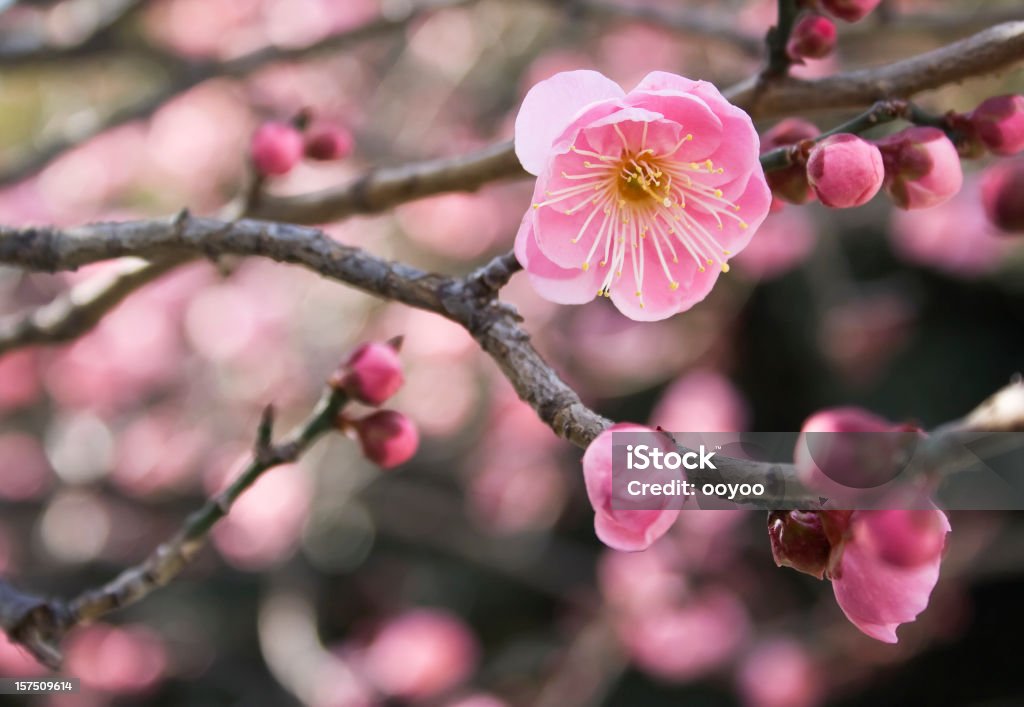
{"x": 666, "y": 202}
{"x": 536, "y": 206}
{"x": 709, "y": 261}
{"x": 639, "y": 293}
{"x": 725, "y": 267}
{"x": 718, "y": 193}
{"x": 673, "y": 286}
{"x": 585, "y": 266}
{"x": 689, "y": 136}
{"x": 744, "y": 225}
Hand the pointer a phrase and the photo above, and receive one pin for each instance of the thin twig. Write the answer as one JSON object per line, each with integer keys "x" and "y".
{"x": 39, "y": 624}
{"x": 187, "y": 76}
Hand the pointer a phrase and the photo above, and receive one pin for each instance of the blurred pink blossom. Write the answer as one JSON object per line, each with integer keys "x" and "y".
{"x": 25, "y": 472}
{"x": 701, "y": 401}
{"x": 954, "y": 237}
{"x": 19, "y": 379}
{"x": 687, "y": 642}
{"x": 779, "y": 672}
{"x": 117, "y": 659}
{"x": 421, "y": 654}
{"x": 785, "y": 240}
{"x": 279, "y": 500}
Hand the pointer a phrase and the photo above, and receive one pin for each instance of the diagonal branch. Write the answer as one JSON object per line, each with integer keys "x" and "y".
{"x": 39, "y": 624}
{"x": 987, "y": 52}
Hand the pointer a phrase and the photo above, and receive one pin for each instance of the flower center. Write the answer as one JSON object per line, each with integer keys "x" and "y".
{"x": 638, "y": 196}
{"x": 641, "y": 179}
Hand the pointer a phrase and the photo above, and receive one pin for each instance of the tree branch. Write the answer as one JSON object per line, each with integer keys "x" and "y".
{"x": 987, "y": 52}
{"x": 39, "y": 624}
{"x": 187, "y": 76}
{"x": 78, "y": 310}
{"x": 687, "y": 22}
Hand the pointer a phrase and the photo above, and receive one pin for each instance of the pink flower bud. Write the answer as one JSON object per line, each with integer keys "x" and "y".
{"x": 388, "y": 438}
{"x": 850, "y": 10}
{"x": 1002, "y": 187}
{"x": 789, "y": 184}
{"x": 922, "y": 167}
{"x": 275, "y": 148}
{"x": 328, "y": 143}
{"x": 999, "y": 123}
{"x": 843, "y": 452}
{"x": 628, "y": 530}
{"x": 845, "y": 171}
{"x": 799, "y": 541}
{"x": 813, "y": 37}
{"x": 372, "y": 373}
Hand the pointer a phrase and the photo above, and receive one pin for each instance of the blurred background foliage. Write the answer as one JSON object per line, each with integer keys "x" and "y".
{"x": 107, "y": 442}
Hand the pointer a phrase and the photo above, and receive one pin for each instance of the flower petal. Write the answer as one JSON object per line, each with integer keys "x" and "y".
{"x": 549, "y": 108}
{"x": 552, "y": 282}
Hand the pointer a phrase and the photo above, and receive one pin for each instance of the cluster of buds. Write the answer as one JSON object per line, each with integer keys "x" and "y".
{"x": 919, "y": 167}
{"x": 277, "y": 147}
{"x": 371, "y": 375}
{"x": 996, "y": 125}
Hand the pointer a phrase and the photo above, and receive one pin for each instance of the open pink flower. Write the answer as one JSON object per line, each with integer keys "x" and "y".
{"x": 628, "y": 530}
{"x": 883, "y": 564}
{"x": 875, "y": 593}
{"x": 641, "y": 197}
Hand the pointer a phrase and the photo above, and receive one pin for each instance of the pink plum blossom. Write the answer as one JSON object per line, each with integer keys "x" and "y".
{"x": 850, "y": 10}
{"x": 955, "y": 237}
{"x": 117, "y": 659}
{"x": 421, "y": 654}
{"x": 876, "y": 594}
{"x": 998, "y": 123}
{"x": 19, "y": 379}
{"x": 779, "y": 672}
{"x": 1001, "y": 188}
{"x": 844, "y": 450}
{"x": 388, "y": 438}
{"x": 641, "y": 197}
{"x": 845, "y": 171}
{"x": 785, "y": 240}
{"x": 813, "y": 36}
{"x": 922, "y": 167}
{"x": 628, "y": 530}
{"x": 702, "y": 401}
{"x": 684, "y": 642}
{"x": 883, "y": 564}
